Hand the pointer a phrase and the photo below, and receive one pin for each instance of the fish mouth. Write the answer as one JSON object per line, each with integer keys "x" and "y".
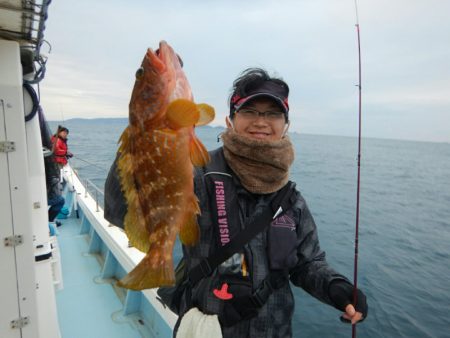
{"x": 163, "y": 49}
{"x": 167, "y": 55}
{"x": 158, "y": 58}
{"x": 154, "y": 61}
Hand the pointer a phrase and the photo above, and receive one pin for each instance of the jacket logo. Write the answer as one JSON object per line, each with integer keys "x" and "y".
{"x": 222, "y": 212}
{"x": 284, "y": 221}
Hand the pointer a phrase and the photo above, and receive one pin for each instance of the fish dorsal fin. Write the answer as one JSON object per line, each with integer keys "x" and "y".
{"x": 207, "y": 114}
{"x": 198, "y": 153}
{"x": 182, "y": 113}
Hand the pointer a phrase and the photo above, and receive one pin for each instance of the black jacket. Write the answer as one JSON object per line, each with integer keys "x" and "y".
{"x": 299, "y": 252}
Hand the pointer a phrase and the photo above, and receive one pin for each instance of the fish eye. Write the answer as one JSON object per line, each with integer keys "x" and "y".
{"x": 139, "y": 73}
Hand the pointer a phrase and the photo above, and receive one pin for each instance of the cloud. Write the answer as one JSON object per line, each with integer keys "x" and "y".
{"x": 311, "y": 44}
{"x": 433, "y": 94}
{"x": 77, "y": 92}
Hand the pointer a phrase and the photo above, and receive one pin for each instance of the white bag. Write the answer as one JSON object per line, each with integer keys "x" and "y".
{"x": 195, "y": 324}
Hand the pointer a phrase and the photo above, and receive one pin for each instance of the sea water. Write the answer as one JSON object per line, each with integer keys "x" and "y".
{"x": 404, "y": 243}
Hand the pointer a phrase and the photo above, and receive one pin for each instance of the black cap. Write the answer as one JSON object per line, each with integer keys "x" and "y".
{"x": 269, "y": 89}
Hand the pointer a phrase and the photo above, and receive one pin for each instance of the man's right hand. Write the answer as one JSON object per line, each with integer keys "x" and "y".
{"x": 341, "y": 293}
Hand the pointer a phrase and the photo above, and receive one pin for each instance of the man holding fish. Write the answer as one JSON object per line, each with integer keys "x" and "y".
{"x": 241, "y": 190}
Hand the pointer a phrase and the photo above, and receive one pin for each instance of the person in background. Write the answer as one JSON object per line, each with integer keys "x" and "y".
{"x": 55, "y": 200}
{"x": 60, "y": 149}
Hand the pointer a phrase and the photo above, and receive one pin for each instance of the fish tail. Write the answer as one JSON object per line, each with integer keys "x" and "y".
{"x": 146, "y": 276}
{"x": 156, "y": 268}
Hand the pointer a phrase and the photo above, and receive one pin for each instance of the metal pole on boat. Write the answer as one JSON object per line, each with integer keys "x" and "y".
{"x": 85, "y": 188}
{"x": 75, "y": 194}
{"x": 96, "y": 200}
{"x": 75, "y": 204}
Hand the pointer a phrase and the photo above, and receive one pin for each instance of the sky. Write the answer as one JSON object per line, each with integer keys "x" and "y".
{"x": 96, "y": 47}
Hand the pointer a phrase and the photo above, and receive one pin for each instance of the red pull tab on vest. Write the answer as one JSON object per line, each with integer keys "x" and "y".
{"x": 223, "y": 292}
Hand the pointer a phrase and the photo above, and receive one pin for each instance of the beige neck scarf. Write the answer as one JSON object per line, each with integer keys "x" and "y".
{"x": 262, "y": 166}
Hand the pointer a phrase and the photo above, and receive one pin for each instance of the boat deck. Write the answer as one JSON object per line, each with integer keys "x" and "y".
{"x": 80, "y": 316}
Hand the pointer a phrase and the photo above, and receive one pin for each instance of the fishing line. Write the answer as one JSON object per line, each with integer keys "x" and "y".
{"x": 355, "y": 269}
{"x": 93, "y": 164}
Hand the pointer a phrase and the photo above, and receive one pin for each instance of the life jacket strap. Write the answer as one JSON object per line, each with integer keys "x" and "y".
{"x": 282, "y": 201}
{"x": 245, "y": 307}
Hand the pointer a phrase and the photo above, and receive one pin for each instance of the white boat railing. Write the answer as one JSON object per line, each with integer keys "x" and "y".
{"x": 115, "y": 239}
{"x": 88, "y": 183}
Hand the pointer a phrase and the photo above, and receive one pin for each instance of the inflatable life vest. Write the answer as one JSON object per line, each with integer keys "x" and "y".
{"x": 224, "y": 207}
{"x": 233, "y": 292}
{"x": 231, "y": 286}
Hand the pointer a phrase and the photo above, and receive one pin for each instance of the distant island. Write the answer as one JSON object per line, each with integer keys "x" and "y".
{"x": 122, "y": 121}
{"x": 101, "y": 119}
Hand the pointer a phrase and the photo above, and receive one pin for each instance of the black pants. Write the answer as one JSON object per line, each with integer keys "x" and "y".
{"x": 56, "y": 205}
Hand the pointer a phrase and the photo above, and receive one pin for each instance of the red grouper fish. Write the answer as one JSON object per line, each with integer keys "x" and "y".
{"x": 157, "y": 152}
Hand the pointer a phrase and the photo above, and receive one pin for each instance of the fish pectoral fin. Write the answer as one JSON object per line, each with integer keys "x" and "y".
{"x": 198, "y": 153}
{"x": 190, "y": 232}
{"x": 182, "y": 113}
{"x": 207, "y": 114}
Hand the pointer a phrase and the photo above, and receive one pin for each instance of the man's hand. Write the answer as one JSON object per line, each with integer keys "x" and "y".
{"x": 341, "y": 293}
{"x": 351, "y": 315}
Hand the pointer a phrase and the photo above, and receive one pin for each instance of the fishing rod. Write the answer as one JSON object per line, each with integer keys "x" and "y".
{"x": 62, "y": 113}
{"x": 355, "y": 268}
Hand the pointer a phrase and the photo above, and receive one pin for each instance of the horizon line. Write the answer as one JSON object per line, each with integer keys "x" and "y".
{"x": 296, "y": 132}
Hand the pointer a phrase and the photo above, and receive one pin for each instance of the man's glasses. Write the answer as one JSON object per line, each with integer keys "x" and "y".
{"x": 252, "y": 114}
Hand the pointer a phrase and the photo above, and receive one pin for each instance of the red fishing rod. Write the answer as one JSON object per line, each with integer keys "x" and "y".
{"x": 355, "y": 269}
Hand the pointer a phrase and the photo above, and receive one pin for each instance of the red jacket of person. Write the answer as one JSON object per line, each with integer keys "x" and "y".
{"x": 60, "y": 150}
